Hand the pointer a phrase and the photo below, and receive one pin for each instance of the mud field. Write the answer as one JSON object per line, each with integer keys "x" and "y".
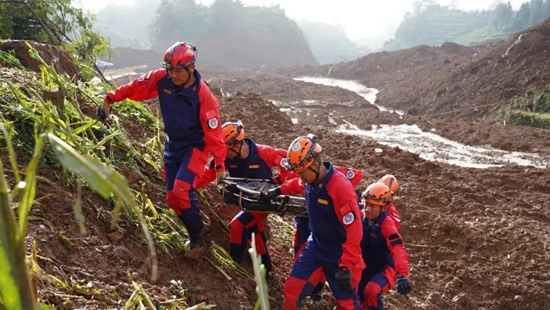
{"x": 474, "y": 198}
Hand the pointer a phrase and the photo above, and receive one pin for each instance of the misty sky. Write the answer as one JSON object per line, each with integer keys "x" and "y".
{"x": 360, "y": 18}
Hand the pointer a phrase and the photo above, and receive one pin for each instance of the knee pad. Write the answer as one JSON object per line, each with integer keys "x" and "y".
{"x": 236, "y": 231}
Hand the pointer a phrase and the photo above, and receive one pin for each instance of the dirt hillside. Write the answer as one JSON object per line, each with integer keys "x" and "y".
{"x": 452, "y": 81}
{"x": 477, "y": 238}
{"x": 464, "y": 228}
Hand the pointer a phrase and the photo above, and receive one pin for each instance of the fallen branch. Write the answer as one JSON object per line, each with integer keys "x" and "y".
{"x": 218, "y": 268}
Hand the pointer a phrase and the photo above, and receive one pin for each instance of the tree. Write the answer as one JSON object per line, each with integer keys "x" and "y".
{"x": 226, "y": 14}
{"x": 421, "y": 5}
{"x": 123, "y": 28}
{"x": 521, "y": 19}
{"x": 546, "y": 9}
{"x": 537, "y": 12}
{"x": 55, "y": 22}
{"x": 502, "y": 16}
{"x": 178, "y": 20}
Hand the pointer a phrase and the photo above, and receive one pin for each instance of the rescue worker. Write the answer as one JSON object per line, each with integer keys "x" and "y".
{"x": 383, "y": 250}
{"x": 246, "y": 159}
{"x": 333, "y": 248}
{"x": 393, "y": 185}
{"x": 302, "y": 232}
{"x": 192, "y": 124}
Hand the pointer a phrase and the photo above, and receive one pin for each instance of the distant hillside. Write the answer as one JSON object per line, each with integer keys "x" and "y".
{"x": 329, "y": 43}
{"x": 430, "y": 23}
{"x": 230, "y": 34}
{"x": 128, "y": 29}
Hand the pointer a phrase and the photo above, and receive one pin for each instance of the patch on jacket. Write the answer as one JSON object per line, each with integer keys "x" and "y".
{"x": 253, "y": 166}
{"x": 213, "y": 123}
{"x": 275, "y": 172}
{"x": 144, "y": 77}
{"x": 322, "y": 201}
{"x": 169, "y": 92}
{"x": 348, "y": 218}
{"x": 350, "y": 174}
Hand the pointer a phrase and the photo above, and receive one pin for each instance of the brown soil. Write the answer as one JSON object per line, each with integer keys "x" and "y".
{"x": 477, "y": 238}
{"x": 60, "y": 60}
{"x": 466, "y": 231}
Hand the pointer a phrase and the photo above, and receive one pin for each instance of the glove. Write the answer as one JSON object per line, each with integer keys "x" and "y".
{"x": 343, "y": 279}
{"x": 220, "y": 175}
{"x": 402, "y": 284}
{"x": 104, "y": 108}
{"x": 270, "y": 195}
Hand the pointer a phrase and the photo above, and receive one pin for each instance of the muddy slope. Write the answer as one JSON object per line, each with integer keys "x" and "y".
{"x": 466, "y": 231}
{"x": 465, "y": 228}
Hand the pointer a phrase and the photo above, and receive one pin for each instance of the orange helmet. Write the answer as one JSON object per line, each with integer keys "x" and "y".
{"x": 301, "y": 153}
{"x": 378, "y": 194}
{"x": 232, "y": 132}
{"x": 180, "y": 55}
{"x": 391, "y": 182}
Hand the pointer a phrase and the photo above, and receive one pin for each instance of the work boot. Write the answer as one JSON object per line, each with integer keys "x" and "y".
{"x": 269, "y": 276}
{"x": 193, "y": 244}
{"x": 204, "y": 238}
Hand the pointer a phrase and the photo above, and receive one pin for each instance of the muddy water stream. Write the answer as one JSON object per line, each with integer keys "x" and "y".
{"x": 428, "y": 145}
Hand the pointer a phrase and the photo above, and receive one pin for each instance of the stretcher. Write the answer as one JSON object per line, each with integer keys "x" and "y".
{"x": 245, "y": 193}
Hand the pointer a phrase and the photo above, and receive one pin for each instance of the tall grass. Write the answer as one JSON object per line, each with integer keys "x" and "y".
{"x": 40, "y": 129}
{"x": 530, "y": 109}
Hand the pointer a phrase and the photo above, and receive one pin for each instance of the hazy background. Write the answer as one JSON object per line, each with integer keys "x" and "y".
{"x": 371, "y": 22}
{"x": 256, "y": 33}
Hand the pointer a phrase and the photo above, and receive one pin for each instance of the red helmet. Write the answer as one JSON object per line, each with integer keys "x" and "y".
{"x": 180, "y": 55}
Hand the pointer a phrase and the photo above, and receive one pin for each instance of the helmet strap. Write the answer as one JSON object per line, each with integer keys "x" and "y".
{"x": 240, "y": 149}
{"x": 316, "y": 180}
{"x": 188, "y": 75}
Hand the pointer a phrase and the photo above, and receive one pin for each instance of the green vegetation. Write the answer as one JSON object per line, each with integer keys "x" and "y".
{"x": 45, "y": 133}
{"x": 531, "y": 109}
{"x": 55, "y": 22}
{"x": 126, "y": 26}
{"x": 177, "y": 19}
{"x": 430, "y": 23}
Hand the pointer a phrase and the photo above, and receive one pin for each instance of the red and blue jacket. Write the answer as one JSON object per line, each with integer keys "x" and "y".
{"x": 302, "y": 222}
{"x": 382, "y": 246}
{"x": 191, "y": 115}
{"x": 263, "y": 162}
{"x": 334, "y": 217}
{"x": 394, "y": 215}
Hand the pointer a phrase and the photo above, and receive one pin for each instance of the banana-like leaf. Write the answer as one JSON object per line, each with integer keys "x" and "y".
{"x": 14, "y": 291}
{"x": 103, "y": 179}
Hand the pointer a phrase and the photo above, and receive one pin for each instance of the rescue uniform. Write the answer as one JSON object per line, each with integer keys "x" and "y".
{"x": 301, "y": 223}
{"x": 192, "y": 123}
{"x": 335, "y": 225}
{"x": 262, "y": 162}
{"x": 394, "y": 215}
{"x": 385, "y": 256}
